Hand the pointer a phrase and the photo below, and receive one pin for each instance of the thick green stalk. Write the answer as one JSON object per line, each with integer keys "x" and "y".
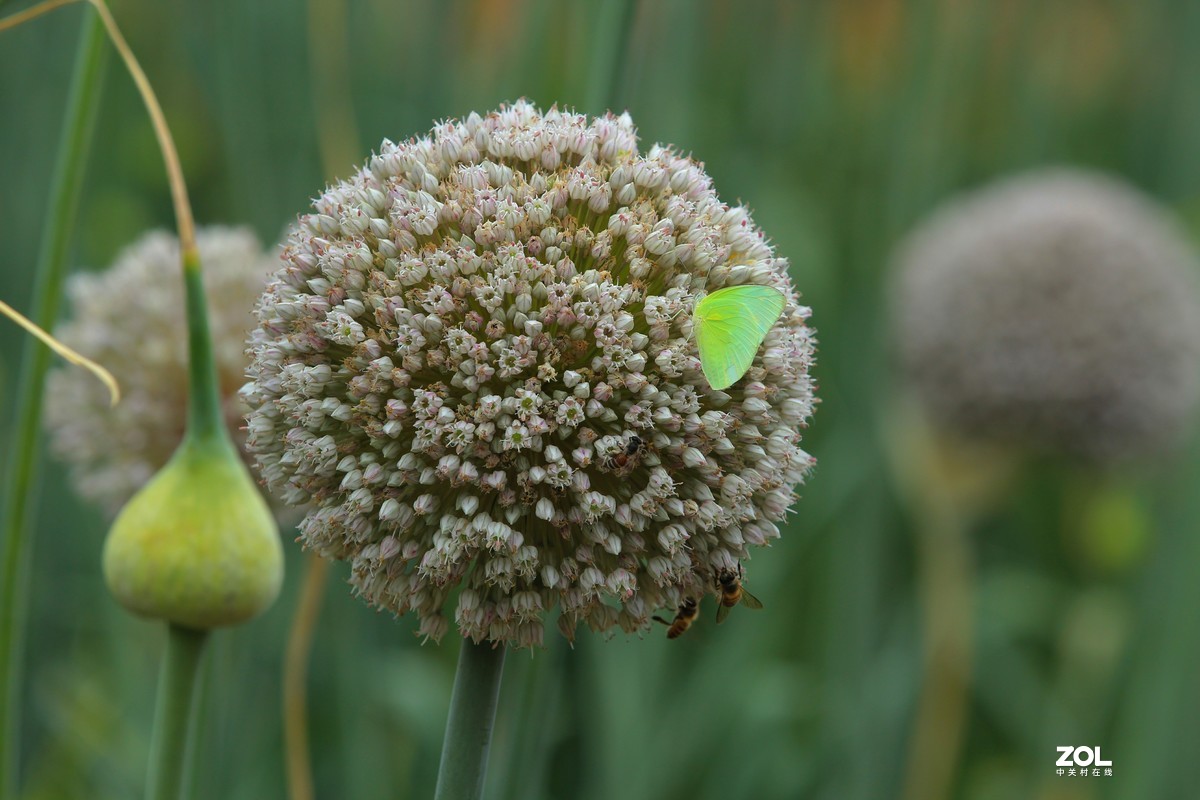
{"x": 181, "y": 690}
{"x": 177, "y": 692}
{"x": 523, "y": 773}
{"x": 22, "y": 459}
{"x": 196, "y": 733}
{"x": 469, "y": 726}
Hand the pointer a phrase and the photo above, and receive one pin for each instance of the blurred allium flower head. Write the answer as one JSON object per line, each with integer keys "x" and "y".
{"x": 131, "y": 319}
{"x": 476, "y": 362}
{"x": 1058, "y": 310}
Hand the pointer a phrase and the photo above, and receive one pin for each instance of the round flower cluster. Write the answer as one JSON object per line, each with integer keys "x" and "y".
{"x": 131, "y": 319}
{"x": 1057, "y": 309}
{"x": 476, "y": 364}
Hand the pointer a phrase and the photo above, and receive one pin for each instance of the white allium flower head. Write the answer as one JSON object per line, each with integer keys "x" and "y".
{"x": 131, "y": 319}
{"x": 476, "y": 363}
{"x": 1057, "y": 310}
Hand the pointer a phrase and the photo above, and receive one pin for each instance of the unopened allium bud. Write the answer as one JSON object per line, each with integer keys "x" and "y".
{"x": 131, "y": 318}
{"x": 197, "y": 545}
{"x": 514, "y": 352}
{"x": 1057, "y": 310}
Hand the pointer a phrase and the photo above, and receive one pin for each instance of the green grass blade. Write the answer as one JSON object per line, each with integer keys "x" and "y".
{"x": 21, "y": 479}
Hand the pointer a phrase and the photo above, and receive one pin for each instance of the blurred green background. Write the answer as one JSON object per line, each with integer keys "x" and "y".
{"x": 840, "y": 123}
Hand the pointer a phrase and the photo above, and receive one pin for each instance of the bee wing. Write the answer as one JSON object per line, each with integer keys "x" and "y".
{"x": 722, "y": 612}
{"x": 750, "y": 601}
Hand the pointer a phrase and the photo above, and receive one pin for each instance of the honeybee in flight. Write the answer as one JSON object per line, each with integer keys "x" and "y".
{"x": 623, "y": 461}
{"x": 689, "y": 609}
{"x": 729, "y": 584}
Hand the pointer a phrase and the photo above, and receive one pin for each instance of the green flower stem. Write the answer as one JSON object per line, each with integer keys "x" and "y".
{"x": 205, "y": 423}
{"x": 48, "y": 278}
{"x": 200, "y": 722}
{"x": 180, "y": 689}
{"x": 177, "y": 693}
{"x": 529, "y": 731}
{"x": 469, "y": 726}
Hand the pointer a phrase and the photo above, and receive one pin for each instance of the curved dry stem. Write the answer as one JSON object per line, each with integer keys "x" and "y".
{"x": 295, "y": 679}
{"x": 183, "y": 208}
{"x": 33, "y": 12}
{"x": 63, "y": 350}
{"x": 947, "y": 606}
{"x": 204, "y": 418}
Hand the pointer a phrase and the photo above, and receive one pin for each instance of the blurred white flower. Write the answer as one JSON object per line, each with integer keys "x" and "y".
{"x": 1057, "y": 310}
{"x": 131, "y": 318}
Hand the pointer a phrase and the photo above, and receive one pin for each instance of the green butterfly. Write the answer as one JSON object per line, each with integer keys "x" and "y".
{"x": 730, "y": 326}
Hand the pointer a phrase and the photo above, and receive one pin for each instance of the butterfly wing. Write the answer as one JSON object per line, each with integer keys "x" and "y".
{"x": 730, "y": 326}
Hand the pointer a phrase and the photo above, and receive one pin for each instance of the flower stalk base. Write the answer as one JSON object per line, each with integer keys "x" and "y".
{"x": 177, "y": 691}
{"x": 469, "y": 725}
